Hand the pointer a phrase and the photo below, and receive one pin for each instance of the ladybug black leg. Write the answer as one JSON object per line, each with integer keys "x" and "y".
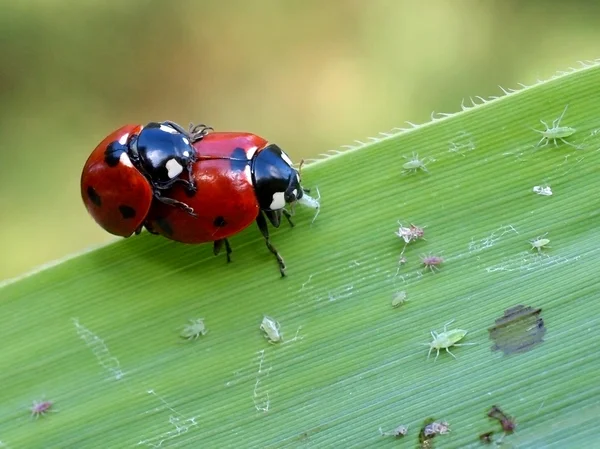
{"x": 175, "y": 203}
{"x": 274, "y": 217}
{"x": 190, "y": 184}
{"x": 289, "y": 217}
{"x": 262, "y": 225}
{"x": 149, "y": 228}
{"x": 175, "y": 126}
{"x": 197, "y": 132}
{"x": 218, "y": 245}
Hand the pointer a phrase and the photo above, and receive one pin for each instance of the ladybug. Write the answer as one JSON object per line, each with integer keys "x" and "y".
{"x": 239, "y": 178}
{"x": 133, "y": 166}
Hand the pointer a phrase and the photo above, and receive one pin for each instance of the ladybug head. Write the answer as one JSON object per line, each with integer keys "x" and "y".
{"x": 275, "y": 180}
{"x": 162, "y": 151}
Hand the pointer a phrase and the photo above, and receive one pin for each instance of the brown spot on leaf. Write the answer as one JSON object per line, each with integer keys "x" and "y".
{"x": 520, "y": 329}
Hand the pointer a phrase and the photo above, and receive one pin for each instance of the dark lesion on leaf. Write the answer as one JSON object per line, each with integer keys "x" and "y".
{"x": 519, "y": 330}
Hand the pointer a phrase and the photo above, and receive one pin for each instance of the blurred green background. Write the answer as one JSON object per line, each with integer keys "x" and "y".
{"x": 311, "y": 75}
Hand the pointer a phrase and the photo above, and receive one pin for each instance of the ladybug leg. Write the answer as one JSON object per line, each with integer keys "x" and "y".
{"x": 218, "y": 245}
{"x": 189, "y": 184}
{"x": 175, "y": 126}
{"x": 175, "y": 203}
{"x": 288, "y": 216}
{"x": 197, "y": 132}
{"x": 274, "y": 217}
{"x": 149, "y": 228}
{"x": 262, "y": 225}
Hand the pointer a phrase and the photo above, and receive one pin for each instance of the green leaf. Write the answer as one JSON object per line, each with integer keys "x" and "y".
{"x": 99, "y": 334}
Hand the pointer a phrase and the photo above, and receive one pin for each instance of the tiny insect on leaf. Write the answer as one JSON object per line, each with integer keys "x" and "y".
{"x": 411, "y": 233}
{"x": 271, "y": 329}
{"x": 432, "y": 263}
{"x": 399, "y": 299}
{"x": 434, "y": 428}
{"x": 398, "y": 432}
{"x": 415, "y": 164}
{"x": 445, "y": 340}
{"x": 40, "y": 408}
{"x": 555, "y": 133}
{"x": 542, "y": 190}
{"x": 194, "y": 330}
{"x": 540, "y": 243}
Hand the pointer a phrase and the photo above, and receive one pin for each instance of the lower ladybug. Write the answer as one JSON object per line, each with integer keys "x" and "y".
{"x": 132, "y": 166}
{"x": 239, "y": 178}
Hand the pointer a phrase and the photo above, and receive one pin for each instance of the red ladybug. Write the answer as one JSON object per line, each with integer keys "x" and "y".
{"x": 133, "y": 166}
{"x": 239, "y": 178}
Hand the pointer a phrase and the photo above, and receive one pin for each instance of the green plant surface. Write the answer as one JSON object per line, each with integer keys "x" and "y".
{"x": 98, "y": 334}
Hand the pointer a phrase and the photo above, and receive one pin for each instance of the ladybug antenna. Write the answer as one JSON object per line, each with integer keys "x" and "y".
{"x": 197, "y": 132}
{"x": 300, "y": 169}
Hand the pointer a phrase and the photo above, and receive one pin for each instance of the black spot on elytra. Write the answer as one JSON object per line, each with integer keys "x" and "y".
{"x": 93, "y": 196}
{"x": 127, "y": 211}
{"x": 164, "y": 225}
{"x": 219, "y": 222}
{"x": 238, "y": 159}
{"x": 113, "y": 152}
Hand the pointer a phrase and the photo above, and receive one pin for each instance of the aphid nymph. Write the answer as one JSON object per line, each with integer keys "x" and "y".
{"x": 195, "y": 329}
{"x": 398, "y": 432}
{"x": 555, "y": 133}
{"x": 432, "y": 263}
{"x": 446, "y": 339}
{"x": 40, "y": 408}
{"x": 540, "y": 243}
{"x": 399, "y": 299}
{"x": 415, "y": 164}
{"x": 271, "y": 329}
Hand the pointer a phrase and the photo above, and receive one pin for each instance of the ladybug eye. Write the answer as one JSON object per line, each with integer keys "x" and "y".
{"x": 291, "y": 197}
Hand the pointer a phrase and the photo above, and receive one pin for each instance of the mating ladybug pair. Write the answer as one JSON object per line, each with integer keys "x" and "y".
{"x": 192, "y": 187}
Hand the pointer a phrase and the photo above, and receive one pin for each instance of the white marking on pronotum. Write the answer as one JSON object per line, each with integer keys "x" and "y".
{"x": 168, "y": 129}
{"x": 278, "y": 201}
{"x": 248, "y": 174}
{"x": 123, "y": 139}
{"x": 311, "y": 202}
{"x": 174, "y": 168}
{"x": 99, "y": 349}
{"x": 124, "y": 159}
{"x": 542, "y": 190}
{"x": 250, "y": 153}
{"x": 287, "y": 159}
{"x": 186, "y": 153}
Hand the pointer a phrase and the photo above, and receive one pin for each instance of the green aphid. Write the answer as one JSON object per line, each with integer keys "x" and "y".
{"x": 446, "y": 339}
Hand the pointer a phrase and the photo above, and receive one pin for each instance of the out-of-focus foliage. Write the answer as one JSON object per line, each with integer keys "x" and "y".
{"x": 309, "y": 74}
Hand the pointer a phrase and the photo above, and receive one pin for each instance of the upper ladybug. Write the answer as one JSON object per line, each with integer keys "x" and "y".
{"x": 130, "y": 167}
